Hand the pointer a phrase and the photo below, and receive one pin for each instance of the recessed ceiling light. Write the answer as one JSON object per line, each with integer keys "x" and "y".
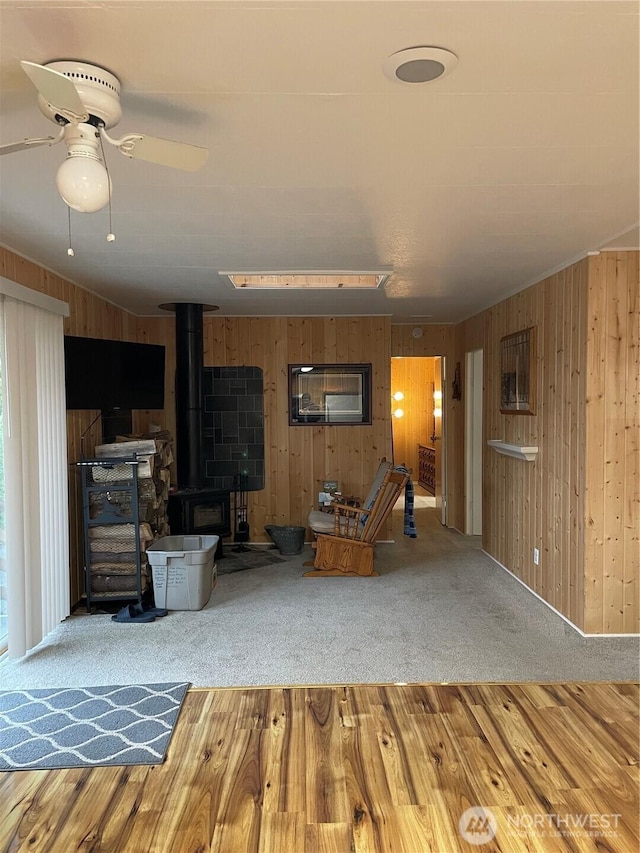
{"x": 335, "y": 279}
{"x": 419, "y": 64}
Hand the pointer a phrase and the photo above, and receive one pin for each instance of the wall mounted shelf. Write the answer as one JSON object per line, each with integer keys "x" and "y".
{"x": 518, "y": 451}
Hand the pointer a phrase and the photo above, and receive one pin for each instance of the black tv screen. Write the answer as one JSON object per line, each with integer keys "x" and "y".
{"x": 103, "y": 374}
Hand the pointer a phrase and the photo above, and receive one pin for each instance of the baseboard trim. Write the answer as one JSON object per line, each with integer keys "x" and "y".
{"x": 551, "y": 607}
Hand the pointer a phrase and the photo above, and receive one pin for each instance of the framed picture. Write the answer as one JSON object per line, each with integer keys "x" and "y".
{"x": 517, "y": 373}
{"x": 329, "y": 394}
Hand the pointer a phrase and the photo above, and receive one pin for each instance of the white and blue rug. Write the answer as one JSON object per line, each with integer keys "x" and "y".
{"x": 87, "y": 727}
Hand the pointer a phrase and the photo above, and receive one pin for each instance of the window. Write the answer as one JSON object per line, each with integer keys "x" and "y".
{"x": 34, "y": 465}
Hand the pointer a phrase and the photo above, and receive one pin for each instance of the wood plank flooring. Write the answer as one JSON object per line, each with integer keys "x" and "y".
{"x": 357, "y": 769}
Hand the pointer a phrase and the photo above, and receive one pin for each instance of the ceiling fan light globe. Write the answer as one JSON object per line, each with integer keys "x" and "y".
{"x": 83, "y": 184}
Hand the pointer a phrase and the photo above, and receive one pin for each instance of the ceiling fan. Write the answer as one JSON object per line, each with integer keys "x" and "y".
{"x": 84, "y": 100}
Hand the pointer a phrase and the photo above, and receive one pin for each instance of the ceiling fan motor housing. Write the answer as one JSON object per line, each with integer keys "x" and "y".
{"x": 99, "y": 91}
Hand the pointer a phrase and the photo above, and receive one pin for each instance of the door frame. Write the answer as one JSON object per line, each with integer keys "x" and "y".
{"x": 473, "y": 440}
{"x": 441, "y": 453}
{"x": 444, "y": 509}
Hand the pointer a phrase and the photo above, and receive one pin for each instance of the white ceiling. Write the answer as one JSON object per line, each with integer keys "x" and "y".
{"x": 470, "y": 188}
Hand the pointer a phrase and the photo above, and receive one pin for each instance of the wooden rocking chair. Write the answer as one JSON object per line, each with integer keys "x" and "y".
{"x": 348, "y": 550}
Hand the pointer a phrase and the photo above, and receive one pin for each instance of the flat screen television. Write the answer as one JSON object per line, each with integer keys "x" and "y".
{"x": 106, "y": 375}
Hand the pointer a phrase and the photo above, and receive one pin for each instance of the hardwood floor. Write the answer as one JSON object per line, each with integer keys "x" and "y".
{"x": 389, "y": 769}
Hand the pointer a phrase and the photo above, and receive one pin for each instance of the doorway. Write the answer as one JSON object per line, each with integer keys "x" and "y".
{"x": 473, "y": 442}
{"x": 418, "y": 428}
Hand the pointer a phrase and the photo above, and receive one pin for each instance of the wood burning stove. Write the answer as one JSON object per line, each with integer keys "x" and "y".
{"x": 219, "y": 452}
{"x": 200, "y": 511}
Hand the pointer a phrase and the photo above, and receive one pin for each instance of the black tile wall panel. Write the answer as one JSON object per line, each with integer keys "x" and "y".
{"x": 233, "y": 427}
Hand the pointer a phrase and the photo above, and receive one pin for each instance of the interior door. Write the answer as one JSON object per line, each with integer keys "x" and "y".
{"x": 438, "y": 437}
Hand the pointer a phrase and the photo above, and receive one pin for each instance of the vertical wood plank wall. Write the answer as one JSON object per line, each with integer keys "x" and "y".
{"x": 540, "y": 504}
{"x": 578, "y": 502}
{"x": 299, "y": 458}
{"x": 414, "y": 378}
{"x": 612, "y": 463}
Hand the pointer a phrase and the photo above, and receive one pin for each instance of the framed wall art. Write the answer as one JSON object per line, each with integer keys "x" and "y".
{"x": 329, "y": 394}
{"x": 517, "y": 373}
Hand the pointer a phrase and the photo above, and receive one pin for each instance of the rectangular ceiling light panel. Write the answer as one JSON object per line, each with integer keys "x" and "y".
{"x": 303, "y": 280}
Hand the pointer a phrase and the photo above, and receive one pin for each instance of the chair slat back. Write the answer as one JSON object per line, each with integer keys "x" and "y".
{"x": 383, "y": 468}
{"x": 390, "y": 490}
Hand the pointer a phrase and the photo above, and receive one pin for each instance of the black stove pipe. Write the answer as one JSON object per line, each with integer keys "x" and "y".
{"x": 189, "y": 363}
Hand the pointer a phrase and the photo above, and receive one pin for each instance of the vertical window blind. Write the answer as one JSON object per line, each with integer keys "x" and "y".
{"x": 35, "y": 464}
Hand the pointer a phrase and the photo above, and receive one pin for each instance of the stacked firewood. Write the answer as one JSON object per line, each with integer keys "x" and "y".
{"x": 112, "y": 560}
{"x": 155, "y": 454}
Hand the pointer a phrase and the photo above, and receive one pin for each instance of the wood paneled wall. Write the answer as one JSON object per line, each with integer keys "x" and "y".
{"x": 299, "y": 458}
{"x": 540, "y": 504}
{"x": 414, "y": 378}
{"x": 578, "y": 502}
{"x": 436, "y": 339}
{"x": 612, "y": 458}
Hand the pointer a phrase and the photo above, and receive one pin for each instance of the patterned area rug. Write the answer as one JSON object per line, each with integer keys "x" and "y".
{"x": 238, "y": 561}
{"x": 87, "y": 727}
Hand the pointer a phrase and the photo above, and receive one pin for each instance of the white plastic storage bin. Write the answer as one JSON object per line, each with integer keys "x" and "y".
{"x": 184, "y": 573}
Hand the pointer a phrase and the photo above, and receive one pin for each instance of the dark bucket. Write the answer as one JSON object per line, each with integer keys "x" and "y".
{"x": 288, "y": 539}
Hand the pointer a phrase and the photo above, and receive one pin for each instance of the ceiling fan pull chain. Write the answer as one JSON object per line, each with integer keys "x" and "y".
{"x": 70, "y": 251}
{"x": 110, "y": 236}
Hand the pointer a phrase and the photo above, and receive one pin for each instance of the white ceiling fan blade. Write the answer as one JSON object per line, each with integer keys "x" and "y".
{"x": 164, "y": 152}
{"x": 57, "y": 90}
{"x": 28, "y": 143}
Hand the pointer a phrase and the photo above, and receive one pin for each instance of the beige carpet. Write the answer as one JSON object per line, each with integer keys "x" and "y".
{"x": 441, "y": 610}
